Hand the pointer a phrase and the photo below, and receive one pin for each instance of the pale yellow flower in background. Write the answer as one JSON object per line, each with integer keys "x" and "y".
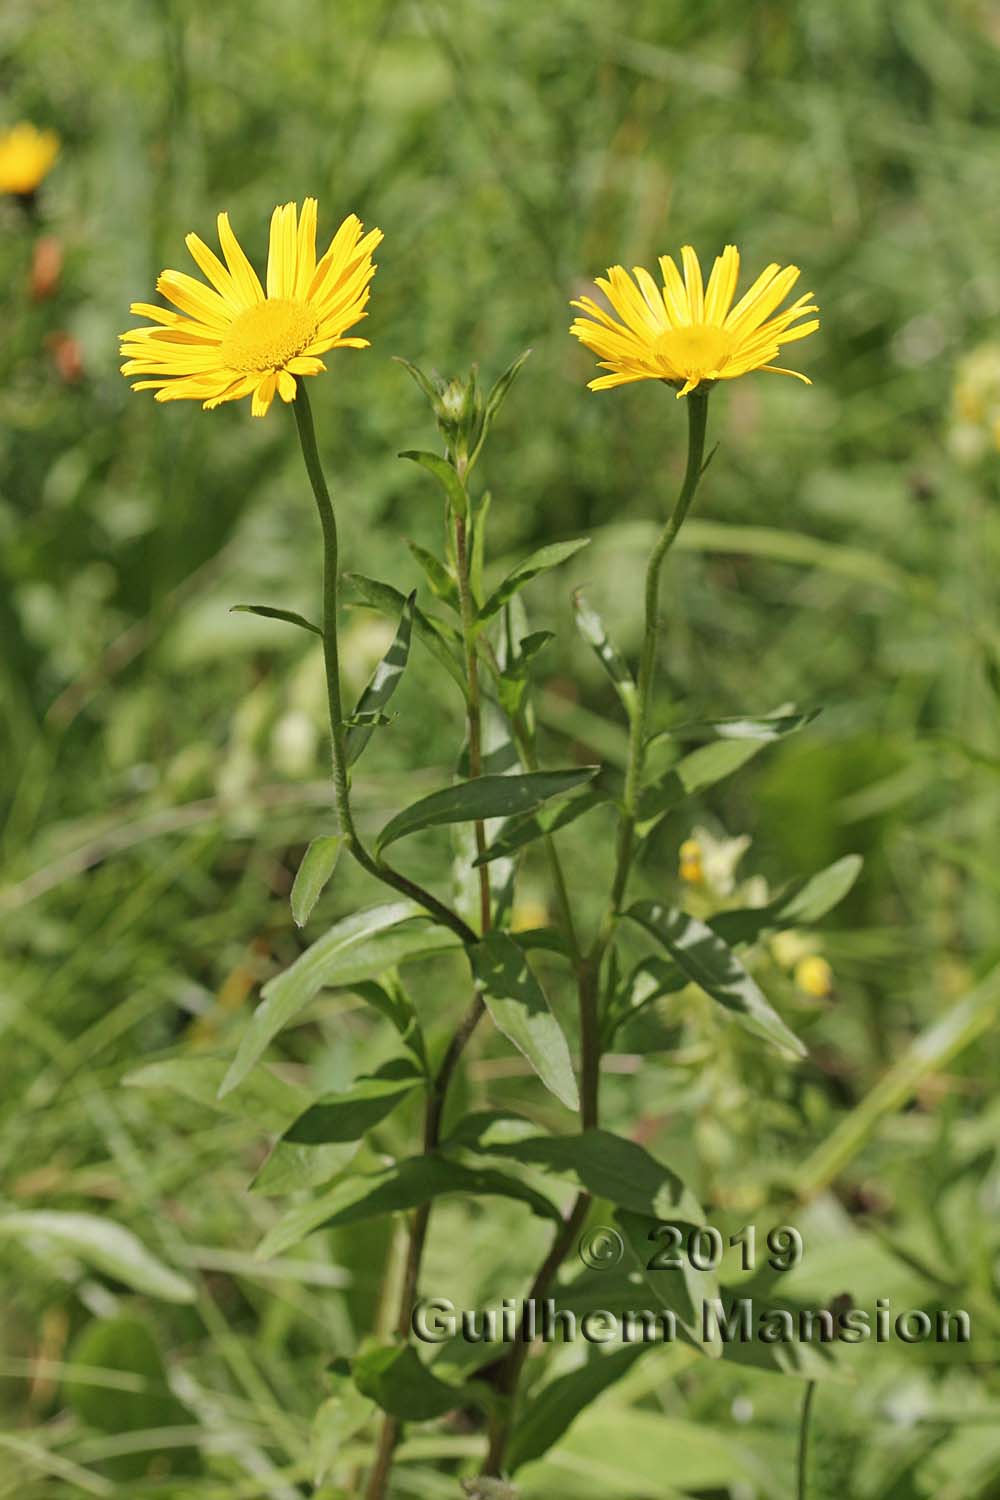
{"x": 974, "y": 430}
{"x": 27, "y": 156}
{"x": 236, "y": 339}
{"x": 687, "y": 334}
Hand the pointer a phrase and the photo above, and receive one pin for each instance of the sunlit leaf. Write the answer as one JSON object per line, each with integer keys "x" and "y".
{"x": 318, "y": 864}
{"x": 708, "y": 962}
{"x": 383, "y": 684}
{"x": 541, "y": 561}
{"x": 481, "y": 798}
{"x": 519, "y": 1009}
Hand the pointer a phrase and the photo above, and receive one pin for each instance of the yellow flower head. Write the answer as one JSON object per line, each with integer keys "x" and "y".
{"x": 26, "y": 156}
{"x": 685, "y": 333}
{"x": 689, "y": 863}
{"x": 236, "y": 340}
{"x": 814, "y": 976}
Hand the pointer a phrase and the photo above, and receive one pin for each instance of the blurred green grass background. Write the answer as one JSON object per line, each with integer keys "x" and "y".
{"x": 164, "y": 760}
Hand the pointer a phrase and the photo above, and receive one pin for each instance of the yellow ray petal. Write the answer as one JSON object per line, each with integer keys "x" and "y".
{"x": 722, "y": 285}
{"x": 243, "y": 274}
{"x": 693, "y": 282}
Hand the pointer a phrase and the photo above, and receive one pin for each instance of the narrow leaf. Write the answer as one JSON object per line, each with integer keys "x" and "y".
{"x": 516, "y": 832}
{"x": 348, "y": 1116}
{"x": 694, "y": 773}
{"x": 395, "y": 1378}
{"x": 446, "y": 477}
{"x": 502, "y": 385}
{"x": 682, "y": 1289}
{"x": 422, "y": 380}
{"x": 289, "y": 616}
{"x": 517, "y": 1003}
{"x": 805, "y": 902}
{"x": 541, "y": 561}
{"x": 384, "y": 683}
{"x": 481, "y": 798}
{"x": 477, "y": 554}
{"x": 358, "y": 947}
{"x": 764, "y": 727}
{"x": 608, "y": 1166}
{"x": 265, "y": 1101}
{"x": 442, "y": 584}
{"x": 552, "y": 1410}
{"x": 108, "y": 1247}
{"x": 406, "y": 1184}
{"x": 707, "y": 961}
{"x": 317, "y": 866}
{"x": 592, "y": 628}
{"x": 433, "y": 634}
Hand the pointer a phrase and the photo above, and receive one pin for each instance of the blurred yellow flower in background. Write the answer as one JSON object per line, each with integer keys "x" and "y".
{"x": 689, "y": 865}
{"x": 975, "y": 404}
{"x": 27, "y": 156}
{"x": 237, "y": 340}
{"x": 687, "y": 334}
{"x": 814, "y": 976}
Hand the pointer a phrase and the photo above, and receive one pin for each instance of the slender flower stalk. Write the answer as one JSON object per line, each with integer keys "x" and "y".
{"x": 589, "y": 968}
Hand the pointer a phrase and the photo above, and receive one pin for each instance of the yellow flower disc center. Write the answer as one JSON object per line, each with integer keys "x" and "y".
{"x": 695, "y": 351}
{"x": 267, "y": 336}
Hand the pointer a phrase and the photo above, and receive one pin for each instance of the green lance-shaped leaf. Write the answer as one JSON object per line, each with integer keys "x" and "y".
{"x": 477, "y": 553}
{"x": 519, "y": 831}
{"x": 606, "y": 1166}
{"x": 694, "y": 773}
{"x": 289, "y": 616}
{"x": 503, "y": 383}
{"x": 265, "y": 1101}
{"x": 384, "y": 683}
{"x": 517, "y": 1004}
{"x": 359, "y": 947}
{"x": 554, "y": 1409}
{"x": 423, "y": 381}
{"x": 394, "y": 1377}
{"x": 681, "y": 1288}
{"x": 513, "y": 681}
{"x": 763, "y": 727}
{"x": 708, "y": 962}
{"x": 318, "y": 864}
{"x": 446, "y": 477}
{"x": 435, "y": 635}
{"x": 541, "y": 561}
{"x": 406, "y": 1184}
{"x": 442, "y": 583}
{"x": 592, "y": 628}
{"x": 804, "y": 902}
{"x": 107, "y": 1247}
{"x": 348, "y": 1116}
{"x": 482, "y": 798}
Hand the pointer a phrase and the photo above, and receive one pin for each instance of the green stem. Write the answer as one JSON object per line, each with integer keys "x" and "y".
{"x": 474, "y": 707}
{"x": 338, "y": 747}
{"x": 589, "y": 966}
{"x": 804, "y": 1422}
{"x": 697, "y": 409}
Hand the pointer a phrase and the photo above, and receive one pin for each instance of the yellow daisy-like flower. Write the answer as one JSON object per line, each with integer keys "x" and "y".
{"x": 236, "y": 340}
{"x": 688, "y": 334}
{"x": 26, "y": 157}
